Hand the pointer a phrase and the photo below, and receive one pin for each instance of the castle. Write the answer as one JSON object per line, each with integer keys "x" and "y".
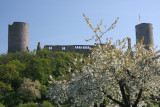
{"x": 18, "y": 39}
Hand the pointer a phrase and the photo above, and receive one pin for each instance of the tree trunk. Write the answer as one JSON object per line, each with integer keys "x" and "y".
{"x": 138, "y": 98}
{"x": 103, "y": 104}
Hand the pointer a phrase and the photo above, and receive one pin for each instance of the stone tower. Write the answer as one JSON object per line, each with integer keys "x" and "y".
{"x": 129, "y": 43}
{"x": 38, "y": 47}
{"x": 18, "y": 37}
{"x": 145, "y": 30}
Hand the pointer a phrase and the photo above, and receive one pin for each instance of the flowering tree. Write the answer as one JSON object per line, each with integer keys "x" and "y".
{"x": 29, "y": 90}
{"x": 113, "y": 73}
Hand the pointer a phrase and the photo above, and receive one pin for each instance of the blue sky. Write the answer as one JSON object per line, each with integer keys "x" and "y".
{"x": 61, "y": 22}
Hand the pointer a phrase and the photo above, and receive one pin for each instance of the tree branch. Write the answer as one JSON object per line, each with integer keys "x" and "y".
{"x": 138, "y": 98}
{"x": 118, "y": 102}
{"x": 124, "y": 96}
{"x": 128, "y": 94}
{"x": 130, "y": 74}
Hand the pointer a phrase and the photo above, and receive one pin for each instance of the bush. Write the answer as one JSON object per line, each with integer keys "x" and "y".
{"x": 46, "y": 104}
{"x": 1, "y": 105}
{"x": 31, "y": 104}
{"x": 154, "y": 106}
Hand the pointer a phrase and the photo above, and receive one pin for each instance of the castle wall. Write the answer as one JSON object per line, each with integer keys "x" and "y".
{"x": 82, "y": 49}
{"x": 18, "y": 37}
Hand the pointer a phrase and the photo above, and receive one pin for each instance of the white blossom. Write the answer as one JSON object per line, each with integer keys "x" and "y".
{"x": 110, "y": 70}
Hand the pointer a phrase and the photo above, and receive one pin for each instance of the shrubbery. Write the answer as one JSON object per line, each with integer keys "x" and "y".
{"x": 15, "y": 68}
{"x": 154, "y": 106}
{"x": 31, "y": 104}
{"x": 46, "y": 104}
{"x": 1, "y": 105}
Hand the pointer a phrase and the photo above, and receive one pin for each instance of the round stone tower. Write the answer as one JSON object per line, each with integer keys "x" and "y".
{"x": 145, "y": 30}
{"x": 18, "y": 38}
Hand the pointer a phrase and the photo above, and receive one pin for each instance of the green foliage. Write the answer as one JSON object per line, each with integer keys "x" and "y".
{"x": 11, "y": 99}
{"x": 10, "y": 78}
{"x": 154, "y": 106}
{"x": 15, "y": 67}
{"x": 23, "y": 57}
{"x": 38, "y": 69}
{"x": 43, "y": 91}
{"x": 31, "y": 104}
{"x": 1, "y": 105}
{"x": 46, "y": 104}
{"x": 4, "y": 88}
